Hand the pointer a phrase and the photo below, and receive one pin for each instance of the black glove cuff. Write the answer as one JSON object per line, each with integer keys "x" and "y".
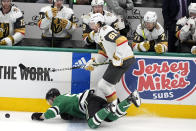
{"x": 36, "y": 116}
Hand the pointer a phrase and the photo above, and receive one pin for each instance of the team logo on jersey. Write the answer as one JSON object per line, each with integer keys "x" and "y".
{"x": 56, "y": 26}
{"x": 161, "y": 79}
{"x": 4, "y": 30}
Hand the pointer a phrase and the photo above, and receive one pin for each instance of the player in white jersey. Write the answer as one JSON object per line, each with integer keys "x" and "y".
{"x": 12, "y": 26}
{"x": 150, "y": 35}
{"x": 114, "y": 47}
{"x": 110, "y": 19}
{"x": 63, "y": 21}
{"x": 120, "y": 8}
{"x": 185, "y": 31}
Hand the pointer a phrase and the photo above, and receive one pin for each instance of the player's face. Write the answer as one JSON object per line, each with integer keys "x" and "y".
{"x": 149, "y": 25}
{"x": 93, "y": 26}
{"x": 192, "y": 15}
{"x": 50, "y": 102}
{"x": 98, "y": 9}
{"x": 50, "y": 1}
{"x": 6, "y": 4}
{"x": 59, "y": 3}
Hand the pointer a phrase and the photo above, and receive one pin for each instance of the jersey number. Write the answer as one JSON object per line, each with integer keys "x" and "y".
{"x": 112, "y": 35}
{"x": 22, "y": 23}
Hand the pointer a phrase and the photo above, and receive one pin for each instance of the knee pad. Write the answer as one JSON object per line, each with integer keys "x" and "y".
{"x": 106, "y": 87}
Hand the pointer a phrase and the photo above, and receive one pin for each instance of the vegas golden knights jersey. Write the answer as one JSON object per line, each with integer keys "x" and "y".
{"x": 12, "y": 25}
{"x": 112, "y": 44}
{"x": 45, "y": 24}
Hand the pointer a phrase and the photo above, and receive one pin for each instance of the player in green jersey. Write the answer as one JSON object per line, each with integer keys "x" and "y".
{"x": 84, "y": 105}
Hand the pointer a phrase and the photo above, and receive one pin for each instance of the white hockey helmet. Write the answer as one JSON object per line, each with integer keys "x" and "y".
{"x": 97, "y": 2}
{"x": 150, "y": 17}
{"x": 192, "y": 8}
{"x": 56, "y": 0}
{"x": 97, "y": 17}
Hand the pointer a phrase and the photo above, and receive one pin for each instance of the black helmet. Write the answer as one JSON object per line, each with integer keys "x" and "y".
{"x": 52, "y": 93}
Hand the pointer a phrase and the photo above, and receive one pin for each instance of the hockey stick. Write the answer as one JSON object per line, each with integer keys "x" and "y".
{"x": 142, "y": 26}
{"x": 23, "y": 67}
{"x": 52, "y": 25}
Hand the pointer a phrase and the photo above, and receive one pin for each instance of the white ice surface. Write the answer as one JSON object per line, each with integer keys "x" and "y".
{"x": 21, "y": 121}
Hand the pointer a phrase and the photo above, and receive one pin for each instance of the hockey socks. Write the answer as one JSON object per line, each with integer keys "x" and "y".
{"x": 96, "y": 120}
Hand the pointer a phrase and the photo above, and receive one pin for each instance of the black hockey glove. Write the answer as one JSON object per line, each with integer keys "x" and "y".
{"x": 36, "y": 116}
{"x": 66, "y": 116}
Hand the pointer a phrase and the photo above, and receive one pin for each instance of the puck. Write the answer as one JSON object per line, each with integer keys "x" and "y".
{"x": 7, "y": 115}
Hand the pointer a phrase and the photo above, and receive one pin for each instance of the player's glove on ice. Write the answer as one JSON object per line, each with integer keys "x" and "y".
{"x": 36, "y": 116}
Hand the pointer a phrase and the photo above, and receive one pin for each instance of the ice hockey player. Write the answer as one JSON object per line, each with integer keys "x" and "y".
{"x": 84, "y": 105}
{"x": 12, "y": 25}
{"x": 120, "y": 9}
{"x": 110, "y": 19}
{"x": 114, "y": 47}
{"x": 60, "y": 18}
{"x": 185, "y": 31}
{"x": 150, "y": 35}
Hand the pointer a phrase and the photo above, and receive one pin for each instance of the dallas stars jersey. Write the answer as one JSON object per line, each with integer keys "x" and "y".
{"x": 71, "y": 104}
{"x": 112, "y": 44}
{"x": 12, "y": 25}
{"x": 110, "y": 19}
{"x": 59, "y": 32}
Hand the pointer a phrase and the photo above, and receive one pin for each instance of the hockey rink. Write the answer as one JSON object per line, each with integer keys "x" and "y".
{"x": 20, "y": 121}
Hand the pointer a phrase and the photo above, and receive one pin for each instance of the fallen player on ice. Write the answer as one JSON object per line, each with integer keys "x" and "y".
{"x": 84, "y": 105}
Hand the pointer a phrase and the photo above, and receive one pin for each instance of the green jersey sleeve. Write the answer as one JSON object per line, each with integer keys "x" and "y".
{"x": 65, "y": 104}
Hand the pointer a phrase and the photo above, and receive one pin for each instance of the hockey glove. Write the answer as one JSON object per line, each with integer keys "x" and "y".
{"x": 193, "y": 50}
{"x": 159, "y": 48}
{"x": 66, "y": 116}
{"x": 65, "y": 24}
{"x": 144, "y": 46}
{"x": 3, "y": 42}
{"x": 7, "y": 41}
{"x": 51, "y": 13}
{"x": 116, "y": 61}
{"x": 36, "y": 116}
{"x": 89, "y": 66}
